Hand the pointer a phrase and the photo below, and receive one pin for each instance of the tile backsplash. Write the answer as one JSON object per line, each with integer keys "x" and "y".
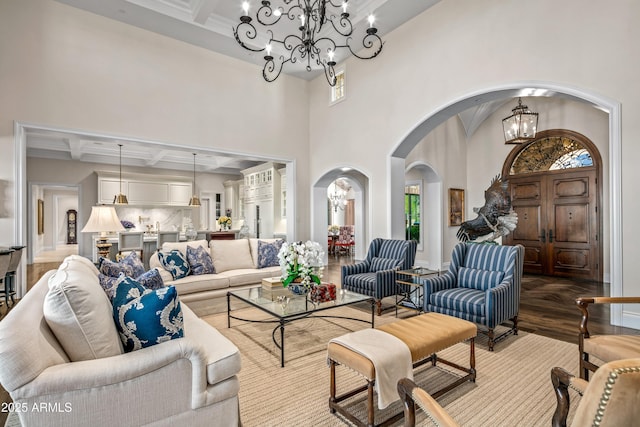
{"x": 167, "y": 218}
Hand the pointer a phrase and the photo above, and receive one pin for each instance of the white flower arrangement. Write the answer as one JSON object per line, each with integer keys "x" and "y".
{"x": 301, "y": 260}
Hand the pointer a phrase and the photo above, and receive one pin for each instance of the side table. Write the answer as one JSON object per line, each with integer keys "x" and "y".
{"x": 409, "y": 291}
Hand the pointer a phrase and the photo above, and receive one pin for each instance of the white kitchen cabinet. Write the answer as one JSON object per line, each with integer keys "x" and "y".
{"x": 261, "y": 192}
{"x": 108, "y": 188}
{"x": 180, "y": 193}
{"x": 145, "y": 190}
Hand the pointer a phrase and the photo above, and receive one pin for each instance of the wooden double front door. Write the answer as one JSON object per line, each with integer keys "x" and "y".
{"x": 558, "y": 222}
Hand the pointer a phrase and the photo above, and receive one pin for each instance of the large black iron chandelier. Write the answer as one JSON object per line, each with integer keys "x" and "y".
{"x": 314, "y": 44}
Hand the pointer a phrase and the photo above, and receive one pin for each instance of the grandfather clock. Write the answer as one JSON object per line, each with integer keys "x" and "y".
{"x": 72, "y": 227}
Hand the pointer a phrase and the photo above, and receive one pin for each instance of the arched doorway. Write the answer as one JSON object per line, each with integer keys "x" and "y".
{"x": 359, "y": 189}
{"x": 423, "y": 181}
{"x": 555, "y": 183}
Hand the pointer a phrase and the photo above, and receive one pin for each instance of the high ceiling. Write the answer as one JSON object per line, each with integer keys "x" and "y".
{"x": 208, "y": 24}
{"x": 204, "y": 23}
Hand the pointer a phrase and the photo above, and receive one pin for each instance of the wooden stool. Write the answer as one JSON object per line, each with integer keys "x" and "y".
{"x": 425, "y": 335}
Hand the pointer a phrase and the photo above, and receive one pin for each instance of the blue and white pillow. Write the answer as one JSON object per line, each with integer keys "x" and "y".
{"x": 133, "y": 260}
{"x": 268, "y": 253}
{"x": 199, "y": 260}
{"x": 113, "y": 269}
{"x": 146, "y": 317}
{"x": 175, "y": 263}
{"x": 151, "y": 279}
{"x": 109, "y": 283}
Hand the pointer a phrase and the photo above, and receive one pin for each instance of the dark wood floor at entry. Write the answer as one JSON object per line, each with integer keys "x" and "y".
{"x": 547, "y": 305}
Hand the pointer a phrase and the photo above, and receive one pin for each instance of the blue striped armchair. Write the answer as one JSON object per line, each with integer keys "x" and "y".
{"x": 482, "y": 286}
{"x": 376, "y": 275}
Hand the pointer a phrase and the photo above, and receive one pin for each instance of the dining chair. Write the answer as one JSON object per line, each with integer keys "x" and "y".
{"x": 345, "y": 241}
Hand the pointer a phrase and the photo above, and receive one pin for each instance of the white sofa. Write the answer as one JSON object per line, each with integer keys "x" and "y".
{"x": 235, "y": 262}
{"x": 185, "y": 381}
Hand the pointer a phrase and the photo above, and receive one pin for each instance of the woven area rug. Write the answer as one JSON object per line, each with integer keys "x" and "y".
{"x": 513, "y": 386}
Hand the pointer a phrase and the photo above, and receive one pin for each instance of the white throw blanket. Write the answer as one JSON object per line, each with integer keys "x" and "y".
{"x": 390, "y": 357}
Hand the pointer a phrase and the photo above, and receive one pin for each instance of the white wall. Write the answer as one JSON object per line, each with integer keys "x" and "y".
{"x": 458, "y": 48}
{"x": 72, "y": 69}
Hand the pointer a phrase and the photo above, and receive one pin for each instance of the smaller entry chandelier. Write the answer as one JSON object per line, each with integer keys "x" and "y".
{"x": 337, "y": 198}
{"x": 520, "y": 126}
{"x": 323, "y": 28}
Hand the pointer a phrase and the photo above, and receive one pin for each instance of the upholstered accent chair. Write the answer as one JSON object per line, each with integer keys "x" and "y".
{"x": 605, "y": 348}
{"x": 376, "y": 275}
{"x": 411, "y": 396}
{"x": 611, "y": 398}
{"x": 482, "y": 286}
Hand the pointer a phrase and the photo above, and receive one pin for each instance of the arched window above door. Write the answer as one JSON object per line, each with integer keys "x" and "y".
{"x": 551, "y": 153}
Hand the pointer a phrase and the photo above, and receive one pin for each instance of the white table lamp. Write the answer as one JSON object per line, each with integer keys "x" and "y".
{"x": 103, "y": 220}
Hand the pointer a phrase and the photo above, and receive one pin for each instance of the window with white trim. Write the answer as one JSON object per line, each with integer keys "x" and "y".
{"x": 339, "y": 90}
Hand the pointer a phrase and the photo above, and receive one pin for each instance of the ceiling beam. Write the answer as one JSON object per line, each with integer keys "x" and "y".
{"x": 202, "y": 9}
{"x": 75, "y": 147}
{"x": 159, "y": 155}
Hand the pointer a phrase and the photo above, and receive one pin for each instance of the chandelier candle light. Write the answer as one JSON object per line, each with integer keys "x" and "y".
{"x": 321, "y": 23}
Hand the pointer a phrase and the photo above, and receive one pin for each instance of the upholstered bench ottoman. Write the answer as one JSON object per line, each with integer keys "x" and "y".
{"x": 424, "y": 335}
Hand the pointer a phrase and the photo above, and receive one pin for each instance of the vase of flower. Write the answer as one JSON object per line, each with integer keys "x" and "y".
{"x": 301, "y": 265}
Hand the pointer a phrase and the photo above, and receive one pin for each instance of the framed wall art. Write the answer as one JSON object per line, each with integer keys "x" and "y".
{"x": 456, "y": 207}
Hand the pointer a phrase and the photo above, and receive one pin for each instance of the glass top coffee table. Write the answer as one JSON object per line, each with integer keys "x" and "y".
{"x": 297, "y": 307}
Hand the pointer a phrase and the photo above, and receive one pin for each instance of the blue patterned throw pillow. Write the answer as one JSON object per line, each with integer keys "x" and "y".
{"x": 108, "y": 283}
{"x": 146, "y": 317}
{"x": 199, "y": 260}
{"x": 133, "y": 260}
{"x": 151, "y": 279}
{"x": 175, "y": 263}
{"x": 268, "y": 253}
{"x": 113, "y": 269}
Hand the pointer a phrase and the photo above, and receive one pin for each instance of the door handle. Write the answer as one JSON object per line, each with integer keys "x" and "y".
{"x": 542, "y": 236}
{"x": 550, "y": 236}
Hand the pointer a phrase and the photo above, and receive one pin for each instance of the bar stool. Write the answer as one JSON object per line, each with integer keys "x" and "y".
{"x": 130, "y": 241}
{"x": 167, "y": 236}
{"x": 203, "y": 235}
{"x": 5, "y": 261}
{"x": 10, "y": 276}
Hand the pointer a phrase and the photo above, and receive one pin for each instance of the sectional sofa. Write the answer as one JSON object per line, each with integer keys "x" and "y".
{"x": 235, "y": 262}
{"x": 63, "y": 362}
